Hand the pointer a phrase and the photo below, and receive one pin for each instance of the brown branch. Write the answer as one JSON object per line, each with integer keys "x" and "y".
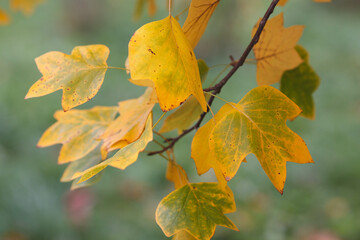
{"x": 218, "y": 87}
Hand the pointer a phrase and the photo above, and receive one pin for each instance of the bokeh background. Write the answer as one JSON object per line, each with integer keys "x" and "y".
{"x": 321, "y": 201}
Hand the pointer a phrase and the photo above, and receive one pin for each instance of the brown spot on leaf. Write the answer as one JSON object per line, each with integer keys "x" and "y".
{"x": 151, "y": 51}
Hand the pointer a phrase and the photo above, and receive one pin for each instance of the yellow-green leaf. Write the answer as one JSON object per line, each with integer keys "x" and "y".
{"x": 300, "y": 83}
{"x": 257, "y": 124}
{"x": 189, "y": 111}
{"x": 275, "y": 52}
{"x": 200, "y": 12}
{"x": 80, "y": 75}
{"x": 197, "y": 208}
{"x": 26, "y": 6}
{"x": 160, "y": 56}
{"x": 78, "y": 131}
{"x": 125, "y": 156}
{"x": 130, "y": 124}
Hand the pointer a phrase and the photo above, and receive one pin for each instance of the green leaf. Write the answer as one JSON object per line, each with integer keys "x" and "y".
{"x": 196, "y": 208}
{"x": 300, "y": 83}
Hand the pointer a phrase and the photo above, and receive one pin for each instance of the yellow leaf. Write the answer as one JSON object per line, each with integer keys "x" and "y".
{"x": 78, "y": 131}
{"x": 160, "y": 56}
{"x": 26, "y": 6}
{"x": 275, "y": 52}
{"x": 176, "y": 174}
{"x": 4, "y": 18}
{"x": 130, "y": 124}
{"x": 124, "y": 157}
{"x": 197, "y": 208}
{"x": 80, "y": 75}
{"x": 200, "y": 12}
{"x": 200, "y": 149}
{"x": 257, "y": 124}
{"x": 189, "y": 111}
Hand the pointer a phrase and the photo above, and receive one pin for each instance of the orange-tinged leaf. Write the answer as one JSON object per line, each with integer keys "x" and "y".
{"x": 200, "y": 12}
{"x": 125, "y": 156}
{"x": 197, "y": 208}
{"x": 176, "y": 174}
{"x": 4, "y": 17}
{"x": 26, "y": 6}
{"x": 189, "y": 111}
{"x": 130, "y": 124}
{"x": 80, "y": 75}
{"x": 257, "y": 124}
{"x": 160, "y": 56}
{"x": 275, "y": 52}
{"x": 78, "y": 131}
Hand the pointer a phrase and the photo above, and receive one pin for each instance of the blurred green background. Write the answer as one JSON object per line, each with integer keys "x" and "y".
{"x": 321, "y": 201}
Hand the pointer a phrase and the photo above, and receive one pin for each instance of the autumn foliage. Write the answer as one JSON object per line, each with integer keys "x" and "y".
{"x": 162, "y": 59}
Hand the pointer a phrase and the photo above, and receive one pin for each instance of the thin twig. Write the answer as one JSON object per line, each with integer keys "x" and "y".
{"x": 217, "y": 88}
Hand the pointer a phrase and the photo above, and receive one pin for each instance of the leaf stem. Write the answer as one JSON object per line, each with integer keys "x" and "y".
{"x": 125, "y": 69}
{"x": 163, "y": 115}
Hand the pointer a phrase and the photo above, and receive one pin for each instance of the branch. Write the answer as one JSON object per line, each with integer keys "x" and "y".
{"x": 218, "y": 87}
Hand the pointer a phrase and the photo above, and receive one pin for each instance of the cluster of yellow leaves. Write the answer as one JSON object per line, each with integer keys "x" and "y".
{"x": 161, "y": 58}
{"x": 82, "y": 131}
{"x": 26, "y": 6}
{"x": 160, "y": 46}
